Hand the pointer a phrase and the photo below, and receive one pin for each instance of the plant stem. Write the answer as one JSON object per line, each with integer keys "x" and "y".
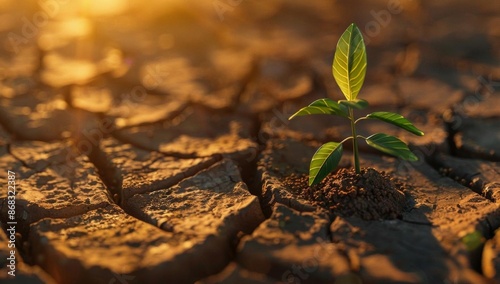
{"x": 354, "y": 141}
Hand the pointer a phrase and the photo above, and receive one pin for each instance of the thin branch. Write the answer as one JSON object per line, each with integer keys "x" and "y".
{"x": 359, "y": 119}
{"x": 350, "y": 137}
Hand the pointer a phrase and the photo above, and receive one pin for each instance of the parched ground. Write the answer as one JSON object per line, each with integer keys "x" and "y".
{"x": 150, "y": 141}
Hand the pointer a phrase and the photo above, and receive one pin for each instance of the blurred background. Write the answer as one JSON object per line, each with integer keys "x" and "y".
{"x": 139, "y": 62}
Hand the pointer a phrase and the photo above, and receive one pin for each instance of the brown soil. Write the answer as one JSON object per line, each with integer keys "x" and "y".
{"x": 370, "y": 195}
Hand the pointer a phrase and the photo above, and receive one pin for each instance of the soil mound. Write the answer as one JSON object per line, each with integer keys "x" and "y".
{"x": 371, "y": 195}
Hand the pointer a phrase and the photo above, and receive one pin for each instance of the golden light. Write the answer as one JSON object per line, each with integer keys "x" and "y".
{"x": 98, "y": 8}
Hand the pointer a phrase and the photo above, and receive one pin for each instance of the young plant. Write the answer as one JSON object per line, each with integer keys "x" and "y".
{"x": 349, "y": 68}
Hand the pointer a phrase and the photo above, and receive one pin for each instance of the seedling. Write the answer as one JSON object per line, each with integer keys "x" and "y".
{"x": 349, "y": 69}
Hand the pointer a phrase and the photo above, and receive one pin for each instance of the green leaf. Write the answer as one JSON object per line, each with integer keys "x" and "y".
{"x": 473, "y": 240}
{"x": 321, "y": 106}
{"x": 396, "y": 119}
{"x": 325, "y": 160}
{"x": 357, "y": 103}
{"x": 391, "y": 145}
{"x": 349, "y": 62}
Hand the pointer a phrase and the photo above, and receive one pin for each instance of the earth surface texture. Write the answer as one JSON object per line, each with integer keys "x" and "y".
{"x": 150, "y": 142}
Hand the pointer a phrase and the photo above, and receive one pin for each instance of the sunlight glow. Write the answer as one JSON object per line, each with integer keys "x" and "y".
{"x": 105, "y": 8}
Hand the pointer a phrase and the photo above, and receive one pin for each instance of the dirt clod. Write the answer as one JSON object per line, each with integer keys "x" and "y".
{"x": 370, "y": 195}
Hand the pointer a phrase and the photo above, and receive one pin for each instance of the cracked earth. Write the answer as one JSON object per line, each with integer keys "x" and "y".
{"x": 151, "y": 144}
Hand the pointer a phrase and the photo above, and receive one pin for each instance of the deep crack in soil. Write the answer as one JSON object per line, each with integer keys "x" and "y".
{"x": 371, "y": 195}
